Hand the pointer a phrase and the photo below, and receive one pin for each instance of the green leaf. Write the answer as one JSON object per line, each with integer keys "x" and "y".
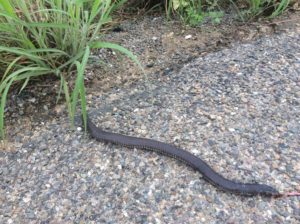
{"x": 7, "y": 7}
{"x": 79, "y": 84}
{"x": 123, "y": 50}
{"x": 2, "y": 107}
{"x": 19, "y": 51}
{"x": 67, "y": 96}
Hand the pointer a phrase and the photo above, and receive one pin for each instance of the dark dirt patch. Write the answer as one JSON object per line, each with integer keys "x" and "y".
{"x": 164, "y": 46}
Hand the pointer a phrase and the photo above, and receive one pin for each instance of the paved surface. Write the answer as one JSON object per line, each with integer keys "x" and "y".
{"x": 238, "y": 109}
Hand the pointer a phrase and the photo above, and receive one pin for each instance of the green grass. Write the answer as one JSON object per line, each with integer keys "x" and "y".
{"x": 267, "y": 8}
{"x": 192, "y": 12}
{"x": 51, "y": 38}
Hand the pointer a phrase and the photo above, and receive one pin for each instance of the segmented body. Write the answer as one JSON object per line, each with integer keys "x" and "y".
{"x": 169, "y": 150}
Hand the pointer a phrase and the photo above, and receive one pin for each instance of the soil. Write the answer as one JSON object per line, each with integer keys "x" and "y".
{"x": 161, "y": 46}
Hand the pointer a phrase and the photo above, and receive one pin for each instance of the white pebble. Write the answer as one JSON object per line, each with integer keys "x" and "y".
{"x": 188, "y": 37}
{"x": 27, "y": 199}
{"x": 32, "y": 100}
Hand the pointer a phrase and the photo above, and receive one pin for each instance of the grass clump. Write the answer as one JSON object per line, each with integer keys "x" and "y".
{"x": 192, "y": 12}
{"x": 51, "y": 38}
{"x": 268, "y": 8}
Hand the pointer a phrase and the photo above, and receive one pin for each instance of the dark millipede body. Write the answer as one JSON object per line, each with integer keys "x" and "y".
{"x": 169, "y": 150}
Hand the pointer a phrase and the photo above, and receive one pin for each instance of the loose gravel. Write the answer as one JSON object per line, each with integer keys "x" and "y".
{"x": 238, "y": 109}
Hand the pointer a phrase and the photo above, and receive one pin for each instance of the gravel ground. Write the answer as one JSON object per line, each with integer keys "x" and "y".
{"x": 238, "y": 109}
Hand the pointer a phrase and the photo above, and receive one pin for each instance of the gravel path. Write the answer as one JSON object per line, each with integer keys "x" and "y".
{"x": 238, "y": 109}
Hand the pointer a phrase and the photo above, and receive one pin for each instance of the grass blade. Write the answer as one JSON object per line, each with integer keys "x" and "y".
{"x": 67, "y": 97}
{"x": 2, "y": 107}
{"x": 79, "y": 85}
{"x": 7, "y": 7}
{"x": 100, "y": 44}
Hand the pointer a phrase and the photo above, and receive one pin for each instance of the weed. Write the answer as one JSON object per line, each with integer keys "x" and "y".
{"x": 51, "y": 38}
{"x": 264, "y": 8}
{"x": 193, "y": 12}
{"x": 215, "y": 16}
